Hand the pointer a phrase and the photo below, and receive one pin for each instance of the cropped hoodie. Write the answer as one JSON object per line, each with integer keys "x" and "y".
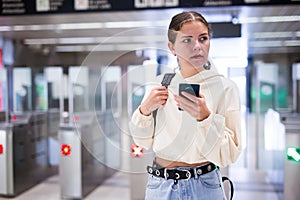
{"x": 177, "y": 136}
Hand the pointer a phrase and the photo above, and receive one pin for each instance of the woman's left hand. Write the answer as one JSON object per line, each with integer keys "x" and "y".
{"x": 195, "y": 106}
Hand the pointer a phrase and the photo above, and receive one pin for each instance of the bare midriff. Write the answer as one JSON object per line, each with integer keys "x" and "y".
{"x": 172, "y": 164}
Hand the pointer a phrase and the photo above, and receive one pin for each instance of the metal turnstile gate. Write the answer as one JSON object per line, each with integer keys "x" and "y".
{"x": 24, "y": 153}
{"x": 80, "y": 166}
{"x": 292, "y": 158}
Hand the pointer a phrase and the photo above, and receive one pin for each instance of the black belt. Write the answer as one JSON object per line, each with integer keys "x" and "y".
{"x": 179, "y": 174}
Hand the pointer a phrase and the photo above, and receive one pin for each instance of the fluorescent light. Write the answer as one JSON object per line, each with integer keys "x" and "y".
{"x": 74, "y": 48}
{"x": 32, "y": 27}
{"x": 128, "y": 24}
{"x": 77, "y": 26}
{"x": 100, "y": 40}
{"x": 247, "y": 20}
{"x": 274, "y": 43}
{"x": 260, "y": 35}
{"x": 5, "y": 28}
{"x": 265, "y": 44}
{"x": 292, "y": 43}
{"x": 107, "y": 47}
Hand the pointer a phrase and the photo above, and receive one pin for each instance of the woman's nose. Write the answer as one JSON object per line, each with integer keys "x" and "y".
{"x": 197, "y": 46}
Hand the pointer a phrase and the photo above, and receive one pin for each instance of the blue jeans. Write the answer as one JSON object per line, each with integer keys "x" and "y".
{"x": 204, "y": 187}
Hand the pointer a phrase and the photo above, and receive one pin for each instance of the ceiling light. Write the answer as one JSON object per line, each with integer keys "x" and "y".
{"x": 75, "y": 26}
{"x": 106, "y": 47}
{"x": 292, "y": 43}
{"x": 99, "y": 40}
{"x": 274, "y": 43}
{"x": 5, "y": 28}
{"x": 292, "y": 18}
{"x": 265, "y": 44}
{"x": 260, "y": 35}
{"x": 92, "y": 25}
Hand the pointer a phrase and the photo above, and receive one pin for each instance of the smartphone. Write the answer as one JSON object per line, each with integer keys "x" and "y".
{"x": 192, "y": 89}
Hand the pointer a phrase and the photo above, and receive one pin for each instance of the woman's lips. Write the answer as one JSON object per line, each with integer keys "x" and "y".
{"x": 197, "y": 56}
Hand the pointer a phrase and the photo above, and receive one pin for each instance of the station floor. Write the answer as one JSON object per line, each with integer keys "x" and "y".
{"x": 249, "y": 185}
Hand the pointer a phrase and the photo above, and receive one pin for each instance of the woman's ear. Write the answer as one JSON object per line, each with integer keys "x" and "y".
{"x": 171, "y": 47}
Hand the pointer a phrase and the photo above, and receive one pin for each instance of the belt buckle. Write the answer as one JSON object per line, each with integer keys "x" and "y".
{"x": 188, "y": 174}
{"x": 165, "y": 173}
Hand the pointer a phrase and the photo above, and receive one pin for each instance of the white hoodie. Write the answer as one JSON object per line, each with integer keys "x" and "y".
{"x": 180, "y": 137}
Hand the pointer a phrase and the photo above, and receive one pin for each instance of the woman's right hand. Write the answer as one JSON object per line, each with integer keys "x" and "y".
{"x": 158, "y": 96}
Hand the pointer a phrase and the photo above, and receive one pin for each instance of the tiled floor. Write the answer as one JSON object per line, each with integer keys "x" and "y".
{"x": 248, "y": 186}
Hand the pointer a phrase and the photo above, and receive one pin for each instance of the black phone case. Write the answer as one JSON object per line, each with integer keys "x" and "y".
{"x": 192, "y": 89}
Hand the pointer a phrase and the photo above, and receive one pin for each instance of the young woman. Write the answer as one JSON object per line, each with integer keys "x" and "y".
{"x": 191, "y": 142}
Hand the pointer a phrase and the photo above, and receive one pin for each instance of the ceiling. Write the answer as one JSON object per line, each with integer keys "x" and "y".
{"x": 265, "y": 29}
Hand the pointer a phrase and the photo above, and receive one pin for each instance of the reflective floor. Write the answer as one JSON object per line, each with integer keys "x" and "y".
{"x": 248, "y": 186}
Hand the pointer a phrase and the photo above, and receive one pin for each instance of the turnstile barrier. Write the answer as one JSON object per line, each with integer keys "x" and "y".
{"x": 24, "y": 160}
{"x": 82, "y": 165}
{"x": 291, "y": 163}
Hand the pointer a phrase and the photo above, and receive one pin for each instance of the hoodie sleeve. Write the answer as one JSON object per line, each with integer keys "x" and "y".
{"x": 142, "y": 129}
{"x": 222, "y": 131}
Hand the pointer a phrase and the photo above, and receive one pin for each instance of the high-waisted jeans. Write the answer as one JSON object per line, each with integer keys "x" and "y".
{"x": 204, "y": 187}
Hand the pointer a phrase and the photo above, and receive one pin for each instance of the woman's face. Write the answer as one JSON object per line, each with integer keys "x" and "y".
{"x": 192, "y": 45}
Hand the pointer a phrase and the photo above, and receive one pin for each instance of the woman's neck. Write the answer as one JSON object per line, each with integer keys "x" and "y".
{"x": 188, "y": 71}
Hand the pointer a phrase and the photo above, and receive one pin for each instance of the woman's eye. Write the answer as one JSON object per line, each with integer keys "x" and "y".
{"x": 203, "y": 38}
{"x": 188, "y": 40}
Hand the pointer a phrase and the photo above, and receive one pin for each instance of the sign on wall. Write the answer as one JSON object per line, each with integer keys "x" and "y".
{"x": 21, "y": 7}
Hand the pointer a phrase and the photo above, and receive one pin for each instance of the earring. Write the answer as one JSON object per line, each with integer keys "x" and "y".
{"x": 207, "y": 65}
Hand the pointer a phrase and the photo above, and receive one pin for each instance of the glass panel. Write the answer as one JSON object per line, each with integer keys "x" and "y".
{"x": 22, "y": 90}
{"x": 79, "y": 89}
{"x": 136, "y": 87}
{"x": 113, "y": 88}
{"x": 3, "y": 96}
{"x": 112, "y": 85}
{"x": 268, "y": 138}
{"x": 96, "y": 96}
{"x": 55, "y": 103}
{"x": 40, "y": 95}
{"x": 53, "y": 76}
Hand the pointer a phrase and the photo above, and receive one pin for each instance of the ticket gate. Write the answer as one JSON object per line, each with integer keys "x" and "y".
{"x": 24, "y": 153}
{"x": 6, "y": 160}
{"x": 53, "y": 121}
{"x": 292, "y": 157}
{"x": 81, "y": 168}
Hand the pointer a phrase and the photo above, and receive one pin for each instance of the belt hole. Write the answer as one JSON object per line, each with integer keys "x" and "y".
{"x": 157, "y": 172}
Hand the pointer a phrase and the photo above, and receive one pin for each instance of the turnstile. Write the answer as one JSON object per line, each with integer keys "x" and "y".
{"x": 6, "y": 160}
{"x": 81, "y": 167}
{"x": 24, "y": 155}
{"x": 292, "y": 157}
{"x": 53, "y": 121}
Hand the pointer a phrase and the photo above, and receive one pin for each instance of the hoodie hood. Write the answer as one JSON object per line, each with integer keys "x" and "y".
{"x": 202, "y": 76}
